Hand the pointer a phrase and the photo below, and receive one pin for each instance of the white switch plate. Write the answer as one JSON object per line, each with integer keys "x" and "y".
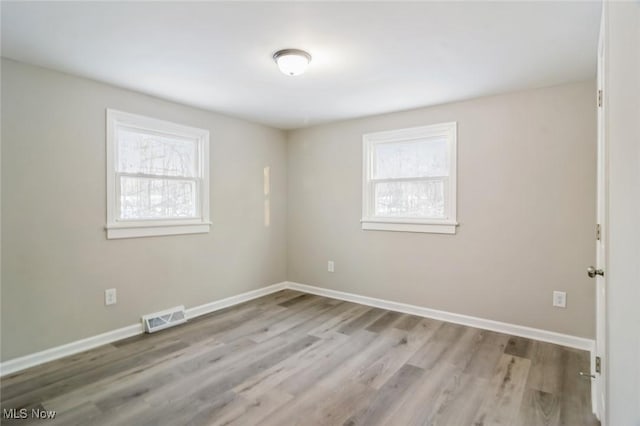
{"x": 330, "y": 266}
{"x": 110, "y": 296}
{"x": 560, "y": 299}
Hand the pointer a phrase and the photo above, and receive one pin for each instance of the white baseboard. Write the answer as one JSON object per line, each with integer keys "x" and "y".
{"x": 486, "y": 324}
{"x": 207, "y": 308}
{"x": 23, "y": 362}
{"x": 31, "y": 360}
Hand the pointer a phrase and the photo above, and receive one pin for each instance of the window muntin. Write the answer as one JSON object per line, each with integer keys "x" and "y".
{"x": 409, "y": 178}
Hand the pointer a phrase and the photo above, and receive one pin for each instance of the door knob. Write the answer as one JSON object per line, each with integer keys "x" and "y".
{"x": 592, "y": 272}
{"x": 586, "y": 375}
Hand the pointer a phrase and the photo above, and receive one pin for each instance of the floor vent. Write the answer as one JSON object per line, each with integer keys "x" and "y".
{"x": 164, "y": 319}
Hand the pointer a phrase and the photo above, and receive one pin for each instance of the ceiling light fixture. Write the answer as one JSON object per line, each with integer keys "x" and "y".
{"x": 292, "y": 61}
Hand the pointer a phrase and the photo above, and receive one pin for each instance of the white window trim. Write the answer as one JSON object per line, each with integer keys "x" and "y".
{"x": 148, "y": 228}
{"x": 439, "y": 226}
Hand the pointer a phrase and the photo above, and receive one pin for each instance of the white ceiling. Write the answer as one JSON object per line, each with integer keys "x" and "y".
{"x": 368, "y": 58}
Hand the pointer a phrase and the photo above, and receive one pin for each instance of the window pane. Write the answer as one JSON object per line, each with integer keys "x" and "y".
{"x": 424, "y": 199}
{"x": 419, "y": 158}
{"x": 156, "y": 154}
{"x": 144, "y": 198}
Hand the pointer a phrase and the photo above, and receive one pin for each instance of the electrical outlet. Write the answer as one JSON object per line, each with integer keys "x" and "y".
{"x": 330, "y": 266}
{"x": 560, "y": 299}
{"x": 110, "y": 296}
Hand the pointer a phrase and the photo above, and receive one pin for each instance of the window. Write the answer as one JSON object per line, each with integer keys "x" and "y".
{"x": 157, "y": 177}
{"x": 409, "y": 180}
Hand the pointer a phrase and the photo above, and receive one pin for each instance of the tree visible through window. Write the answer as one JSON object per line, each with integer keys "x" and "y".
{"x": 409, "y": 178}
{"x": 157, "y": 175}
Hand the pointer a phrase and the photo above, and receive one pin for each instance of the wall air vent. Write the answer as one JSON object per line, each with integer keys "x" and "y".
{"x": 164, "y": 319}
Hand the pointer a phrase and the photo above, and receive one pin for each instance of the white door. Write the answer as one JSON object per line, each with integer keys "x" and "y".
{"x": 598, "y": 271}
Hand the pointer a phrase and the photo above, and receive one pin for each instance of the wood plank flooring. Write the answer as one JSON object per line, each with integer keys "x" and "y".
{"x": 297, "y": 359}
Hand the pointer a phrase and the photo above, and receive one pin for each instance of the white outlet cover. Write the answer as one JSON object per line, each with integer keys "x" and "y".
{"x": 110, "y": 296}
{"x": 330, "y": 266}
{"x": 560, "y": 299}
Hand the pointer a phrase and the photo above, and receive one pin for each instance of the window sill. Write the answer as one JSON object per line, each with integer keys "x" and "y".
{"x": 404, "y": 226}
{"x": 149, "y": 230}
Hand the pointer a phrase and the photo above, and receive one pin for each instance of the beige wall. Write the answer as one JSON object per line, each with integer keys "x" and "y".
{"x": 525, "y": 200}
{"x": 526, "y": 207}
{"x": 622, "y": 97}
{"x": 55, "y": 257}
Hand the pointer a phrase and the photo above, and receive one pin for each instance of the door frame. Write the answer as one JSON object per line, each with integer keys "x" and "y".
{"x": 599, "y": 384}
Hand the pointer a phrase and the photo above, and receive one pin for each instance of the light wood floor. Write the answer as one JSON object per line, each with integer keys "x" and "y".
{"x": 291, "y": 358}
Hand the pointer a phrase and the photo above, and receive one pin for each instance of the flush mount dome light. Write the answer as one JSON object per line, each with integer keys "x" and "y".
{"x": 292, "y": 61}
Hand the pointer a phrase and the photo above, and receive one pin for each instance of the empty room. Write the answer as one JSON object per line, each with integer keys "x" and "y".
{"x": 320, "y": 213}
